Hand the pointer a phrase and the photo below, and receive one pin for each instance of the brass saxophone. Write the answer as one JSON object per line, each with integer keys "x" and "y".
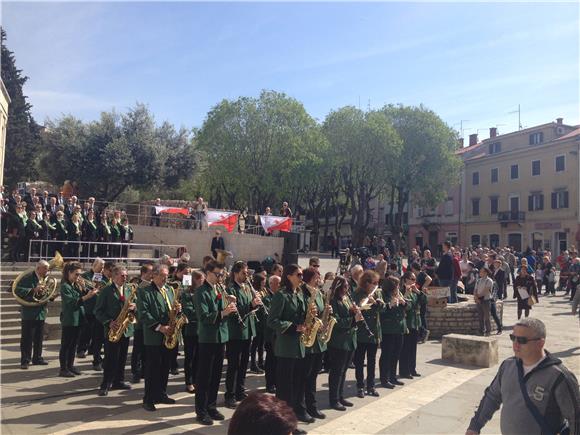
{"x": 328, "y": 321}
{"x": 176, "y": 320}
{"x": 125, "y": 317}
{"x": 312, "y": 322}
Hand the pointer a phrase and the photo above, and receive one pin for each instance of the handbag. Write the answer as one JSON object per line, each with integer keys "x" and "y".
{"x": 532, "y": 301}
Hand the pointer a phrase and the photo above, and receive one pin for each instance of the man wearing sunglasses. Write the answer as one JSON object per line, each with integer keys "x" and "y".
{"x": 539, "y": 394}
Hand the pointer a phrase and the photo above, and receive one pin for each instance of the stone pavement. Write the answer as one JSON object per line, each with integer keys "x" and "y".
{"x": 441, "y": 401}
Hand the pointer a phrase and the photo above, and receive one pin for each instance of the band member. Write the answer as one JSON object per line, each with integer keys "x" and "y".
{"x": 287, "y": 313}
{"x": 408, "y": 358}
{"x": 313, "y": 358}
{"x": 138, "y": 352}
{"x": 393, "y": 327}
{"x": 190, "y": 342}
{"x": 72, "y": 316}
{"x": 47, "y": 233}
{"x": 114, "y": 248}
{"x": 269, "y": 336}
{"x": 32, "y": 232}
{"x": 33, "y": 317}
{"x": 153, "y": 304}
{"x": 85, "y": 340}
{"x": 74, "y": 235}
{"x": 126, "y": 235}
{"x": 89, "y": 229}
{"x": 61, "y": 233}
{"x": 177, "y": 279}
{"x": 103, "y": 236}
{"x": 366, "y": 344}
{"x": 257, "y": 347}
{"x": 212, "y": 307}
{"x": 342, "y": 342}
{"x": 240, "y": 334}
{"x": 111, "y": 301}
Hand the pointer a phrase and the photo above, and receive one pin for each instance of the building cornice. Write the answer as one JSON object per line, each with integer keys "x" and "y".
{"x": 5, "y": 91}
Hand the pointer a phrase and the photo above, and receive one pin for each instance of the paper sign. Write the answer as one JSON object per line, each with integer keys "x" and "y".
{"x": 98, "y": 277}
{"x": 523, "y": 292}
{"x": 326, "y": 286}
{"x": 175, "y": 263}
{"x": 186, "y": 281}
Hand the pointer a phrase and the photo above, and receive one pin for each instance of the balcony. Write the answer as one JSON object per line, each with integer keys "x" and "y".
{"x": 506, "y": 217}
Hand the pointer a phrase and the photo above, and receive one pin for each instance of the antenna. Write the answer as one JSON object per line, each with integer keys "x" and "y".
{"x": 461, "y": 129}
{"x": 519, "y": 112}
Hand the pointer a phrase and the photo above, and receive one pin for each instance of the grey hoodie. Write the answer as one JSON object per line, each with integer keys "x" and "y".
{"x": 552, "y": 388}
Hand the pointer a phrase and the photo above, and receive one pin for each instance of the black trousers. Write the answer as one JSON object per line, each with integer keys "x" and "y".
{"x": 68, "y": 346}
{"x": 209, "y": 374}
{"x": 238, "y": 353}
{"x": 31, "y": 336}
{"x": 493, "y": 311}
{"x": 307, "y": 390}
{"x": 138, "y": 354}
{"x": 339, "y": 361}
{"x": 270, "y": 365}
{"x": 191, "y": 350}
{"x": 390, "y": 351}
{"x": 174, "y": 353}
{"x": 408, "y": 357}
{"x": 158, "y": 359}
{"x": 97, "y": 341}
{"x": 370, "y": 351}
{"x": 289, "y": 375}
{"x": 115, "y": 360}
{"x": 257, "y": 348}
{"x": 86, "y": 335}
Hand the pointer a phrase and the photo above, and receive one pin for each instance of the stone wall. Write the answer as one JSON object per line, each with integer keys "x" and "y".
{"x": 460, "y": 318}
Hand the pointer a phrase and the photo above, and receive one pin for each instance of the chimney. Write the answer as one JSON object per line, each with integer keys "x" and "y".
{"x": 473, "y": 139}
{"x": 559, "y": 121}
{"x": 492, "y": 132}
{"x": 460, "y": 141}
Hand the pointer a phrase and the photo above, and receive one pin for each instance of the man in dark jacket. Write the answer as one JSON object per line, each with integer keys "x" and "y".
{"x": 445, "y": 272}
{"x": 217, "y": 243}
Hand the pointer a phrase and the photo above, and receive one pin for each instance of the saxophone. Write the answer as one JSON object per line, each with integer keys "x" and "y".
{"x": 176, "y": 320}
{"x": 312, "y": 323}
{"x": 328, "y": 321}
{"x": 125, "y": 317}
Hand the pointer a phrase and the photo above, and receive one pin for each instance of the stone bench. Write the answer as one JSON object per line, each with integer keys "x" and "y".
{"x": 470, "y": 350}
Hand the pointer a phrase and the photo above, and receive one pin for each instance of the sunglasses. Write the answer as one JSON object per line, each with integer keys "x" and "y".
{"x": 219, "y": 275}
{"x": 316, "y": 265}
{"x": 522, "y": 340}
{"x": 299, "y": 275}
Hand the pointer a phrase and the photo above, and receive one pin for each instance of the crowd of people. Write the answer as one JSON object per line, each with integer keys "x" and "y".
{"x": 75, "y": 229}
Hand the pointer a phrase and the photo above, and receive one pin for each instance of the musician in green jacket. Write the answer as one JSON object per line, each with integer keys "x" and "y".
{"x": 212, "y": 308}
{"x": 270, "y": 336}
{"x": 393, "y": 327}
{"x": 287, "y": 313}
{"x": 368, "y": 298}
{"x": 112, "y": 300}
{"x": 190, "y": 343}
{"x": 86, "y": 339}
{"x": 408, "y": 357}
{"x": 72, "y": 316}
{"x": 33, "y": 317}
{"x": 153, "y": 305}
{"x": 138, "y": 351}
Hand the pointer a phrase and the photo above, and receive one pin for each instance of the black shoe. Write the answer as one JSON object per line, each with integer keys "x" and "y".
{"x": 360, "y": 393}
{"x": 40, "y": 362}
{"x": 24, "y": 366}
{"x": 121, "y": 386}
{"x": 75, "y": 371}
{"x": 216, "y": 415}
{"x": 167, "y": 401}
{"x": 387, "y": 384}
{"x": 346, "y": 402}
{"x": 416, "y": 375}
{"x": 231, "y": 403}
{"x": 190, "y": 389}
{"x": 304, "y": 417}
{"x": 256, "y": 370}
{"x": 261, "y": 365}
{"x": 204, "y": 419}
{"x": 406, "y": 376}
{"x": 174, "y": 371}
{"x": 372, "y": 392}
{"x": 241, "y": 396}
{"x": 396, "y": 382}
{"x": 136, "y": 379}
{"x": 149, "y": 407}
{"x": 338, "y": 406}
{"x": 351, "y": 365}
{"x": 299, "y": 432}
{"x": 316, "y": 414}
{"x": 499, "y": 331}
{"x": 97, "y": 367}
{"x": 271, "y": 390}
{"x": 65, "y": 374}
{"x": 81, "y": 354}
{"x": 103, "y": 391}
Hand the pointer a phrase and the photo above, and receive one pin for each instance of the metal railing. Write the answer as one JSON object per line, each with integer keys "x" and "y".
{"x": 511, "y": 216}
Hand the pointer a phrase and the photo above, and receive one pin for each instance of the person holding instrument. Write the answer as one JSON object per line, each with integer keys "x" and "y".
{"x": 393, "y": 326}
{"x": 408, "y": 357}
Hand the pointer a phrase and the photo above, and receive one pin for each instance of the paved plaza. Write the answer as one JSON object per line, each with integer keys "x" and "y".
{"x": 441, "y": 401}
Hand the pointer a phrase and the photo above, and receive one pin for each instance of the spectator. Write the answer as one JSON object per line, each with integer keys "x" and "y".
{"x": 482, "y": 296}
{"x": 264, "y": 414}
{"x": 525, "y": 291}
{"x": 155, "y": 215}
{"x": 445, "y": 272}
{"x": 200, "y": 207}
{"x": 217, "y": 242}
{"x": 285, "y": 210}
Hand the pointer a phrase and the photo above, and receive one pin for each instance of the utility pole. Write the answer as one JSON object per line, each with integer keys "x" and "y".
{"x": 519, "y": 112}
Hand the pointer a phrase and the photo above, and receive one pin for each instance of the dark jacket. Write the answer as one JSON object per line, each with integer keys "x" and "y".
{"x": 445, "y": 268}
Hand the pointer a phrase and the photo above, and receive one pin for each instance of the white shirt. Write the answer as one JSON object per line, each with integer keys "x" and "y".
{"x": 528, "y": 369}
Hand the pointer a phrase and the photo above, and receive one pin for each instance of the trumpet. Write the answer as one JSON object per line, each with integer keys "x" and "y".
{"x": 86, "y": 285}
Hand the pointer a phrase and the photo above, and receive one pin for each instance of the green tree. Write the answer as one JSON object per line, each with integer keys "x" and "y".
{"x": 22, "y": 132}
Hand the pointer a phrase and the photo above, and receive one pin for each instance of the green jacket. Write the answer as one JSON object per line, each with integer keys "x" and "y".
{"x": 209, "y": 303}
{"x": 244, "y": 303}
{"x": 72, "y": 309}
{"x": 24, "y": 291}
{"x": 413, "y": 312}
{"x": 109, "y": 304}
{"x": 188, "y": 307}
{"x": 393, "y": 319}
{"x": 269, "y": 333}
{"x": 372, "y": 317}
{"x": 287, "y": 311}
{"x": 90, "y": 304}
{"x": 319, "y": 346}
{"x": 345, "y": 331}
{"x": 153, "y": 310}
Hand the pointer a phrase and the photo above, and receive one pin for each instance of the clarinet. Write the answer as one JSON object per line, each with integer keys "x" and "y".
{"x": 237, "y": 313}
{"x": 363, "y": 321}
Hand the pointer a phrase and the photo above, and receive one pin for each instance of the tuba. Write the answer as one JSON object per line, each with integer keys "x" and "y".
{"x": 176, "y": 321}
{"x": 222, "y": 255}
{"x": 125, "y": 317}
{"x": 48, "y": 284}
{"x": 312, "y": 323}
{"x": 328, "y": 321}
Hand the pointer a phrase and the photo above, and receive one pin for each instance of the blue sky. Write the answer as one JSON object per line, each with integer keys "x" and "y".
{"x": 466, "y": 61}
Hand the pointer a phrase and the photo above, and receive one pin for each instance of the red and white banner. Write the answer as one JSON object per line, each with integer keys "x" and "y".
{"x": 171, "y": 210}
{"x": 276, "y": 223}
{"x": 227, "y": 219}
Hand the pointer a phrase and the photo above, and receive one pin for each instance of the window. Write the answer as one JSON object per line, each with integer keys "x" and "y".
{"x": 560, "y": 199}
{"x": 449, "y": 207}
{"x": 560, "y": 163}
{"x": 495, "y": 148}
{"x": 452, "y": 237}
{"x": 514, "y": 203}
{"x": 536, "y": 138}
{"x": 475, "y": 240}
{"x": 536, "y": 169}
{"x": 493, "y": 240}
{"x": 475, "y": 178}
{"x": 536, "y": 201}
{"x": 493, "y": 204}
{"x": 419, "y": 211}
{"x": 494, "y": 175}
{"x": 514, "y": 172}
{"x": 475, "y": 207}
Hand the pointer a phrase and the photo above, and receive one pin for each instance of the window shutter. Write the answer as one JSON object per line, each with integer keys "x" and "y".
{"x": 531, "y": 203}
{"x": 554, "y": 200}
{"x": 542, "y": 201}
{"x": 565, "y": 199}
{"x": 531, "y": 139}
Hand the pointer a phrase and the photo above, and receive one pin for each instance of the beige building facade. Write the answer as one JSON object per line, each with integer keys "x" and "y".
{"x": 4, "y": 102}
